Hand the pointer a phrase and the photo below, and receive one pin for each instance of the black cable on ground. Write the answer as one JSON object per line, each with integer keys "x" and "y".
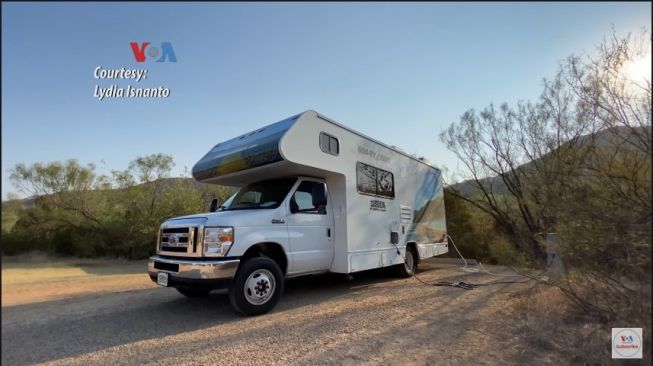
{"x": 461, "y": 284}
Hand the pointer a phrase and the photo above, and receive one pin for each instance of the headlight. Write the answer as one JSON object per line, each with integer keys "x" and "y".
{"x": 218, "y": 240}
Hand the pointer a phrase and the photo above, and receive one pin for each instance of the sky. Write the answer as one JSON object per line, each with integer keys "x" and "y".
{"x": 398, "y": 72}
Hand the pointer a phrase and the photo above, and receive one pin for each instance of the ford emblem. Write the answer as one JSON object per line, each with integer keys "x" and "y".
{"x": 173, "y": 240}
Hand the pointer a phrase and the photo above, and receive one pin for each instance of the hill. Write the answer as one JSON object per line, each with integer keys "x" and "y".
{"x": 626, "y": 137}
{"x": 168, "y": 184}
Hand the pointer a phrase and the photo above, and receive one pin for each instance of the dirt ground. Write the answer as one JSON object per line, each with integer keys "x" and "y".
{"x": 102, "y": 313}
{"x": 32, "y": 281}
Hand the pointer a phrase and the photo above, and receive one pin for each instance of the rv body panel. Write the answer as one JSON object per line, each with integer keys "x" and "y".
{"x": 364, "y": 222}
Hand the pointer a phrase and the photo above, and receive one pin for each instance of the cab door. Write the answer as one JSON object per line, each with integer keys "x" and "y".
{"x": 310, "y": 227}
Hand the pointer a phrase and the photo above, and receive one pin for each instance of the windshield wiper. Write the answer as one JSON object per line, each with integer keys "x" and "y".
{"x": 253, "y": 206}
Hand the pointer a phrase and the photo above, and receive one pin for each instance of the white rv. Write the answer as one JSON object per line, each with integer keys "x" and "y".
{"x": 315, "y": 196}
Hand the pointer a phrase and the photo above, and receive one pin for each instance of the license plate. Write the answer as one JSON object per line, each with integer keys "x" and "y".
{"x": 162, "y": 279}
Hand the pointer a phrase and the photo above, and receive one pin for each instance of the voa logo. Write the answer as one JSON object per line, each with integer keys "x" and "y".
{"x": 145, "y": 50}
{"x": 627, "y": 339}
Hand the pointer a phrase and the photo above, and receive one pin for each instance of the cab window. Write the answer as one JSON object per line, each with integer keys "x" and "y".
{"x": 310, "y": 197}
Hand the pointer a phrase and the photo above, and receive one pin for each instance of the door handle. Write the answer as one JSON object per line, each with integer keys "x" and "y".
{"x": 328, "y": 232}
{"x": 278, "y": 221}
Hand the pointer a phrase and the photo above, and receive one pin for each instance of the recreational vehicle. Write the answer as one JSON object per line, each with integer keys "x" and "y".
{"x": 314, "y": 196}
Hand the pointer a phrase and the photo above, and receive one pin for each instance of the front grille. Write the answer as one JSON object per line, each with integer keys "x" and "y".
{"x": 175, "y": 237}
{"x": 183, "y": 238}
{"x": 181, "y": 241}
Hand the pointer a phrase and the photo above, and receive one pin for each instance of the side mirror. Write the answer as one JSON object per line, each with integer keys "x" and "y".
{"x": 214, "y": 205}
{"x": 294, "y": 208}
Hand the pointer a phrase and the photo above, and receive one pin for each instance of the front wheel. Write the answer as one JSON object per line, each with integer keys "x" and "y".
{"x": 409, "y": 267}
{"x": 257, "y": 287}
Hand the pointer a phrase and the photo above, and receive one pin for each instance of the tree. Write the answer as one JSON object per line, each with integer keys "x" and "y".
{"x": 580, "y": 154}
{"x": 78, "y": 212}
{"x": 67, "y": 186}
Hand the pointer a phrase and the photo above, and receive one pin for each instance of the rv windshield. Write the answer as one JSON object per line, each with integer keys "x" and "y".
{"x": 263, "y": 194}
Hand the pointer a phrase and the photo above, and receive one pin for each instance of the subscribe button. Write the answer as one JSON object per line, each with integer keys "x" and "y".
{"x": 627, "y": 343}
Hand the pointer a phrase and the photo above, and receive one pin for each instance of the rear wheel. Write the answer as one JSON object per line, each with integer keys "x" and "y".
{"x": 193, "y": 292}
{"x": 409, "y": 267}
{"x": 257, "y": 287}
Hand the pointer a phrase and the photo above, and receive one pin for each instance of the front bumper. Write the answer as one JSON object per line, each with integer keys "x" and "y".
{"x": 188, "y": 272}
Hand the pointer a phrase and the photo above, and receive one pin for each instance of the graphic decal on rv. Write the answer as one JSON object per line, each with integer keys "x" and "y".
{"x": 261, "y": 148}
{"x": 428, "y": 216}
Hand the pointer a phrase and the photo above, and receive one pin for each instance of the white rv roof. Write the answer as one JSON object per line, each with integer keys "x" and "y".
{"x": 232, "y": 160}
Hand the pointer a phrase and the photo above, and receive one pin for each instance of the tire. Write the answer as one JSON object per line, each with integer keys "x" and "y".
{"x": 257, "y": 287}
{"x": 193, "y": 292}
{"x": 409, "y": 267}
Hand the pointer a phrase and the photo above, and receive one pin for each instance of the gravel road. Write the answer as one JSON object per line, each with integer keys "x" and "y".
{"x": 373, "y": 319}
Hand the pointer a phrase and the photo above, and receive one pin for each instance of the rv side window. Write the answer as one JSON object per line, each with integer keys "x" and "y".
{"x": 385, "y": 185}
{"x": 329, "y": 144}
{"x": 374, "y": 181}
{"x": 366, "y": 178}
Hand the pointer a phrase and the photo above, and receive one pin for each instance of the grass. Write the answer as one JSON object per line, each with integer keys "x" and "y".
{"x": 550, "y": 322}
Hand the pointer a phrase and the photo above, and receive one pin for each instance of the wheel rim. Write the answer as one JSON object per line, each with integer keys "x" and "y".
{"x": 409, "y": 262}
{"x": 259, "y": 287}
